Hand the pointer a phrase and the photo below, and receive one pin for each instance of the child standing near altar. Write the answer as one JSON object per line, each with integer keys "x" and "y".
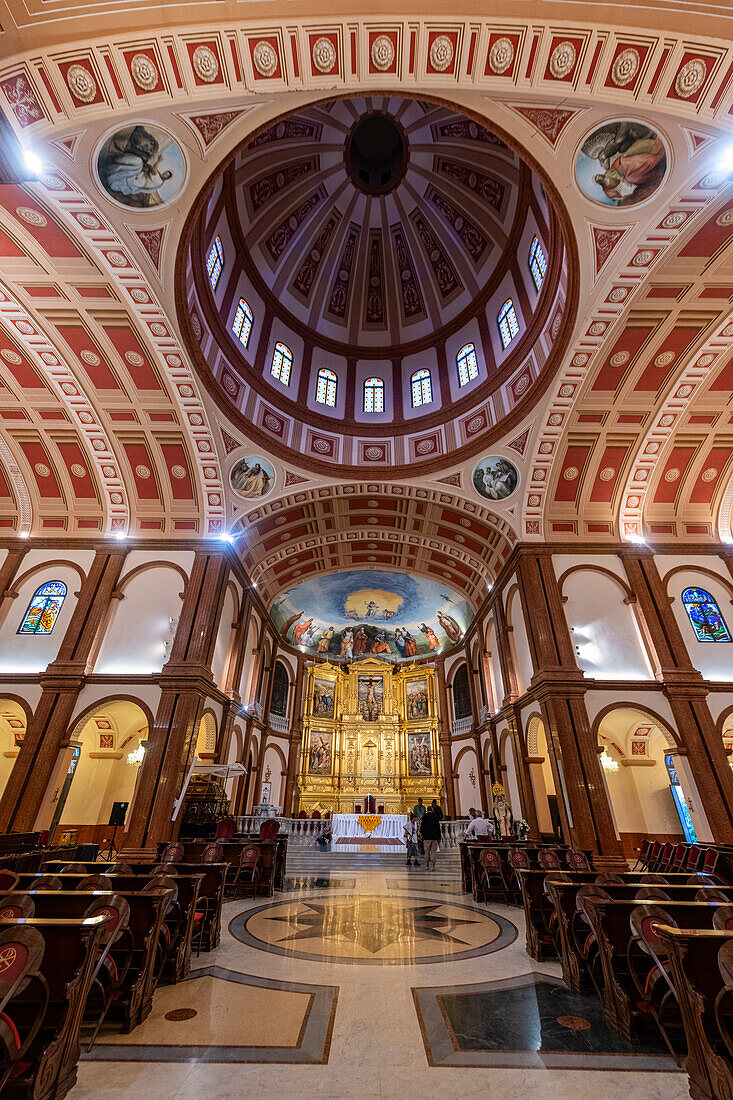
{"x": 412, "y": 835}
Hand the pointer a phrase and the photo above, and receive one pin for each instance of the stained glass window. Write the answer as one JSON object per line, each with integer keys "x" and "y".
{"x": 704, "y": 614}
{"x": 282, "y": 361}
{"x": 326, "y": 388}
{"x": 508, "y": 323}
{"x": 43, "y": 609}
{"x": 467, "y": 364}
{"x": 537, "y": 262}
{"x": 215, "y": 262}
{"x": 374, "y": 395}
{"x": 242, "y": 324}
{"x": 422, "y": 388}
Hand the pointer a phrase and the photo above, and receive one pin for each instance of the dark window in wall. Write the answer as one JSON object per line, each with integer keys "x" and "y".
{"x": 482, "y": 689}
{"x": 280, "y": 683}
{"x": 461, "y": 694}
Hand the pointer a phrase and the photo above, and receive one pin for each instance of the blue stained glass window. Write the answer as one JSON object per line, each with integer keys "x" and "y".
{"x": 282, "y": 362}
{"x": 704, "y": 614}
{"x": 43, "y": 609}
{"x": 537, "y": 262}
{"x": 467, "y": 364}
{"x": 422, "y": 388}
{"x": 242, "y": 324}
{"x": 326, "y": 388}
{"x": 215, "y": 262}
{"x": 508, "y": 323}
{"x": 374, "y": 395}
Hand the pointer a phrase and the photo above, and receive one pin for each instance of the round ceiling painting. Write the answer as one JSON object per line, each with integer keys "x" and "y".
{"x": 252, "y": 477}
{"x": 621, "y": 163}
{"x": 372, "y": 613}
{"x": 495, "y": 478}
{"x": 141, "y": 166}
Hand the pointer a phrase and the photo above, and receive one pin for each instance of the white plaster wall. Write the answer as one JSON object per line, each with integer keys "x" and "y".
{"x": 33, "y": 652}
{"x": 511, "y": 786}
{"x": 468, "y": 794}
{"x": 523, "y": 658}
{"x": 223, "y": 638}
{"x": 595, "y": 702}
{"x": 713, "y": 659}
{"x": 607, "y": 641}
{"x": 182, "y": 558}
{"x": 148, "y": 694}
{"x": 497, "y": 684}
{"x": 140, "y": 624}
{"x": 275, "y": 764}
{"x": 718, "y": 702}
{"x": 246, "y": 687}
{"x": 562, "y": 562}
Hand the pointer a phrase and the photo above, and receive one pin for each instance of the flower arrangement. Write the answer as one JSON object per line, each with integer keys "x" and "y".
{"x": 522, "y": 829}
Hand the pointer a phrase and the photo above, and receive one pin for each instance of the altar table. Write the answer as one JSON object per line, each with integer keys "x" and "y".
{"x": 391, "y": 825}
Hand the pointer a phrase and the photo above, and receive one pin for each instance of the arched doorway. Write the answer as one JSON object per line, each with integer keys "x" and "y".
{"x": 466, "y": 773}
{"x": 13, "y": 725}
{"x": 99, "y": 771}
{"x": 542, "y": 778}
{"x": 650, "y": 787}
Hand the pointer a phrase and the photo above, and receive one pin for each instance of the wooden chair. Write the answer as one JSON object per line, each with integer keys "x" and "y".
{"x": 74, "y": 869}
{"x": 548, "y": 859}
{"x": 212, "y": 853}
{"x": 115, "y": 951}
{"x": 491, "y": 868}
{"x": 169, "y": 929}
{"x": 21, "y": 952}
{"x": 164, "y": 869}
{"x": 644, "y": 851}
{"x": 46, "y": 882}
{"x": 711, "y": 895}
{"x": 269, "y": 828}
{"x": 247, "y": 872}
{"x": 93, "y": 882}
{"x": 518, "y": 861}
{"x": 723, "y": 918}
{"x": 120, "y": 869}
{"x": 173, "y": 853}
{"x": 724, "y": 998}
{"x": 583, "y": 933}
{"x": 649, "y": 966}
{"x": 577, "y": 861}
{"x": 17, "y": 907}
{"x": 652, "y": 893}
{"x": 225, "y": 829}
{"x": 8, "y": 880}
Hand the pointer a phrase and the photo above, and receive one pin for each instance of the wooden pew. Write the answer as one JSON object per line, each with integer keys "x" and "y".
{"x": 547, "y": 925}
{"x": 273, "y": 858}
{"x": 698, "y": 983}
{"x": 67, "y": 965}
{"x": 213, "y": 878}
{"x": 179, "y": 958}
{"x": 610, "y": 920}
{"x": 147, "y": 912}
{"x": 472, "y": 873}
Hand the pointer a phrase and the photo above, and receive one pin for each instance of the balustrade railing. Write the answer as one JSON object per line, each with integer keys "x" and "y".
{"x": 462, "y": 725}
{"x": 302, "y": 831}
{"x": 278, "y": 723}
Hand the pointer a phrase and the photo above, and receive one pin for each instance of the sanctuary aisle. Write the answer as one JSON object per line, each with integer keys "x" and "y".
{"x": 376, "y": 980}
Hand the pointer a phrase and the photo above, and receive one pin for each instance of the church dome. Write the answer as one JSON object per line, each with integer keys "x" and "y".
{"x": 375, "y": 282}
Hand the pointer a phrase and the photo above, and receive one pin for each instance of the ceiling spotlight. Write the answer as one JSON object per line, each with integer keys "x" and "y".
{"x": 725, "y": 160}
{"x": 225, "y": 537}
{"x": 23, "y": 534}
{"x": 120, "y": 535}
{"x": 32, "y": 161}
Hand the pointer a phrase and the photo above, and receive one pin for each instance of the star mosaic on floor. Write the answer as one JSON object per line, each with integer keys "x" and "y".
{"x": 530, "y": 1021}
{"x": 369, "y": 929}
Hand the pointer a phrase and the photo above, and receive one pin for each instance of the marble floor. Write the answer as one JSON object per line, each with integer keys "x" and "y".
{"x": 380, "y": 981}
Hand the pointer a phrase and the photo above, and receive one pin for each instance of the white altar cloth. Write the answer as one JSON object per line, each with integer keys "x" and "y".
{"x": 348, "y": 825}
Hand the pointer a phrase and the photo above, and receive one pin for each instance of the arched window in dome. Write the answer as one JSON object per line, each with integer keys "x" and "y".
{"x": 326, "y": 388}
{"x": 467, "y": 364}
{"x": 374, "y": 395}
{"x": 508, "y": 323}
{"x": 44, "y": 608}
{"x": 537, "y": 262}
{"x": 282, "y": 362}
{"x": 704, "y": 614}
{"x": 422, "y": 388}
{"x": 215, "y": 262}
{"x": 243, "y": 320}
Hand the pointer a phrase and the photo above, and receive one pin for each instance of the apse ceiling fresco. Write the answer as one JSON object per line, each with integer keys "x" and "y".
{"x": 127, "y": 401}
{"x": 372, "y": 613}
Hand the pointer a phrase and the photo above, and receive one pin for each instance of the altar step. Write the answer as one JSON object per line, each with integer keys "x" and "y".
{"x": 311, "y": 860}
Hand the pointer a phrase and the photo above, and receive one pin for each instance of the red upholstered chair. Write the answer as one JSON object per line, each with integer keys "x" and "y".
{"x": 694, "y": 857}
{"x": 120, "y": 869}
{"x": 679, "y": 855}
{"x": 518, "y": 861}
{"x": 46, "y": 882}
{"x": 316, "y": 815}
{"x": 22, "y": 951}
{"x": 18, "y": 907}
{"x": 74, "y": 869}
{"x": 577, "y": 861}
{"x": 493, "y": 874}
{"x": 225, "y": 829}
{"x": 212, "y": 853}
{"x": 248, "y": 871}
{"x": 582, "y": 933}
{"x": 648, "y": 962}
{"x": 549, "y": 914}
{"x": 269, "y": 828}
{"x": 710, "y": 862}
{"x": 652, "y": 859}
{"x": 165, "y": 884}
{"x": 380, "y": 809}
{"x": 302, "y": 815}
{"x": 173, "y": 853}
{"x": 644, "y": 850}
{"x": 114, "y": 955}
{"x": 723, "y": 918}
{"x": 651, "y": 893}
{"x": 548, "y": 859}
{"x": 164, "y": 869}
{"x": 608, "y": 878}
{"x": 710, "y": 896}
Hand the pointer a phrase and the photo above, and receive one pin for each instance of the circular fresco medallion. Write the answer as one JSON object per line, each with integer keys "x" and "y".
{"x": 495, "y": 478}
{"x": 140, "y": 166}
{"x": 623, "y": 162}
{"x": 252, "y": 477}
{"x": 373, "y": 930}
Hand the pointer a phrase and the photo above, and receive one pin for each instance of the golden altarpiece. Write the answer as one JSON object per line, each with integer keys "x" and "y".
{"x": 372, "y": 730}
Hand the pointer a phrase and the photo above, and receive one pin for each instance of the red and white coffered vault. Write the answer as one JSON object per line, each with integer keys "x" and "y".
{"x": 126, "y": 400}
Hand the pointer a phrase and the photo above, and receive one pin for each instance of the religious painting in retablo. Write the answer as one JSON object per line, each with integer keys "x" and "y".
{"x": 370, "y": 694}
{"x": 417, "y": 699}
{"x": 324, "y": 692}
{"x": 418, "y": 753}
{"x": 320, "y": 753}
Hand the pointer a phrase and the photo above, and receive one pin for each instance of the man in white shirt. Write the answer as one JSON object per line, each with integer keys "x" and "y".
{"x": 477, "y": 829}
